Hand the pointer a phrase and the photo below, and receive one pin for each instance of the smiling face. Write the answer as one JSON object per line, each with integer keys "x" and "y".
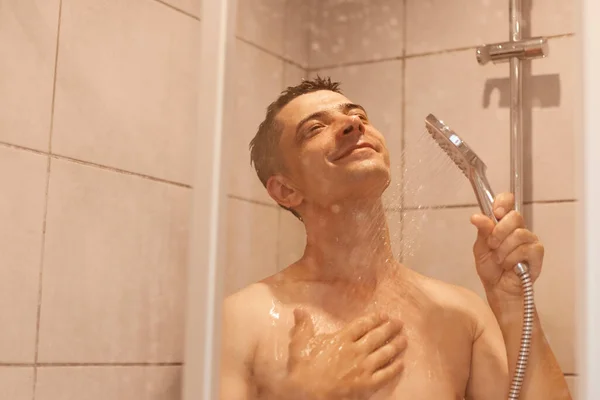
{"x": 330, "y": 151}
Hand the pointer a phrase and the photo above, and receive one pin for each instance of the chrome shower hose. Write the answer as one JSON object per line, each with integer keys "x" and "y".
{"x": 528, "y": 315}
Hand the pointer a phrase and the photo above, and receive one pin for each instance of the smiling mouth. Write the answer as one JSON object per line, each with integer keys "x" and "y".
{"x": 352, "y": 149}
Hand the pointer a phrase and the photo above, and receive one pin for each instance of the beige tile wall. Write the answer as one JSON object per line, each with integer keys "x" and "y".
{"x": 109, "y": 382}
{"x": 271, "y": 54}
{"x": 23, "y": 176}
{"x": 98, "y": 71}
{"x": 419, "y": 58}
{"x": 345, "y": 32}
{"x": 259, "y": 77}
{"x": 94, "y": 175}
{"x": 16, "y": 383}
{"x": 28, "y": 42}
{"x": 251, "y": 243}
{"x": 116, "y": 248}
{"x": 438, "y": 25}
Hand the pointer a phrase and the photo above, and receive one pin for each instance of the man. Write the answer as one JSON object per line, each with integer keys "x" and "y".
{"x": 347, "y": 321}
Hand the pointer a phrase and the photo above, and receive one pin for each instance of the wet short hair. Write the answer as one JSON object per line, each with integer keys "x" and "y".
{"x": 265, "y": 154}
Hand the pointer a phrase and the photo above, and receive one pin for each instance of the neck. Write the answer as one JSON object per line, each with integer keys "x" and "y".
{"x": 348, "y": 243}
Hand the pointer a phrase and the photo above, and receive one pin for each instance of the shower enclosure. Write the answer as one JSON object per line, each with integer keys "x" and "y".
{"x": 100, "y": 109}
{"x": 401, "y": 60}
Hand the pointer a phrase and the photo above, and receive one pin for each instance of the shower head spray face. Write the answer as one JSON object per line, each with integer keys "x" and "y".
{"x": 465, "y": 159}
{"x": 458, "y": 151}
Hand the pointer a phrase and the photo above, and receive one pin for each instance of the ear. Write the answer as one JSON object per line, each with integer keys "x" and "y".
{"x": 283, "y": 191}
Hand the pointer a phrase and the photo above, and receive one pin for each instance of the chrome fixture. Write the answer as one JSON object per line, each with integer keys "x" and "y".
{"x": 515, "y": 51}
{"x": 503, "y": 52}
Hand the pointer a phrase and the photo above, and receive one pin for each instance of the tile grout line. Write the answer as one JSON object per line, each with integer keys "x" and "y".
{"x": 237, "y": 197}
{"x": 467, "y": 205}
{"x": 44, "y": 220}
{"x": 473, "y": 47}
{"x": 429, "y": 208}
{"x": 355, "y": 63}
{"x": 557, "y": 201}
{"x": 415, "y": 55}
{"x": 258, "y": 202}
{"x": 19, "y": 147}
{"x": 133, "y": 364}
{"x": 95, "y": 165}
{"x": 269, "y": 52}
{"x": 119, "y": 170}
{"x": 91, "y": 364}
{"x": 163, "y": 2}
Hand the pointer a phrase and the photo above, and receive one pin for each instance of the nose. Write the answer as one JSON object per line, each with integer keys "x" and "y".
{"x": 353, "y": 125}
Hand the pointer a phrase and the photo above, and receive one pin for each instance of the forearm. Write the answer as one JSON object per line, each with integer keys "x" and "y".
{"x": 543, "y": 377}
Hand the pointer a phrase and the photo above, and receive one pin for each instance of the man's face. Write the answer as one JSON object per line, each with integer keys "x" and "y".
{"x": 330, "y": 149}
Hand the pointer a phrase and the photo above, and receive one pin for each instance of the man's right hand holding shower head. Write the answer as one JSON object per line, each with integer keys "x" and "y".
{"x": 499, "y": 247}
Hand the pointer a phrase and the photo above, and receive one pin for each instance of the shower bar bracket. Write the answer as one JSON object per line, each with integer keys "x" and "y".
{"x": 503, "y": 52}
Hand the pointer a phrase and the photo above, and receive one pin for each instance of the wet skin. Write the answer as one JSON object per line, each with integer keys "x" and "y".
{"x": 336, "y": 169}
{"x": 440, "y": 325}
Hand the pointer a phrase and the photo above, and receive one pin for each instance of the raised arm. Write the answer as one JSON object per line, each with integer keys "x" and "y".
{"x": 488, "y": 379}
{"x": 498, "y": 248}
{"x": 544, "y": 380}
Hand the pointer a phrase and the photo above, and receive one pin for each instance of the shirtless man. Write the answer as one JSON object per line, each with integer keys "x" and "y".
{"x": 347, "y": 321}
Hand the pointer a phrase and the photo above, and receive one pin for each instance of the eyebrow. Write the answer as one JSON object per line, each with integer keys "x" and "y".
{"x": 344, "y": 107}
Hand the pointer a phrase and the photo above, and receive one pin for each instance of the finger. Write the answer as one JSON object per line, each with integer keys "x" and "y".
{"x": 531, "y": 253}
{"x": 484, "y": 225}
{"x": 384, "y": 375}
{"x": 303, "y": 329}
{"x": 503, "y": 204}
{"x": 517, "y": 238}
{"x": 384, "y": 355}
{"x": 361, "y": 326}
{"x": 512, "y": 221}
{"x": 379, "y": 336}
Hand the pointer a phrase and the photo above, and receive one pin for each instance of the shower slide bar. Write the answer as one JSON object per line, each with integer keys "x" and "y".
{"x": 514, "y": 51}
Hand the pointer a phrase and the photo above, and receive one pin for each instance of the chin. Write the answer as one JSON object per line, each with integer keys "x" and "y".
{"x": 371, "y": 181}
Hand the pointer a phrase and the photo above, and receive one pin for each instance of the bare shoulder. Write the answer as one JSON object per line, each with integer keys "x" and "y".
{"x": 243, "y": 322}
{"x": 249, "y": 306}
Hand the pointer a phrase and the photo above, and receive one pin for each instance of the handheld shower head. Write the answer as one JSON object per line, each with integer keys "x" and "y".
{"x": 465, "y": 159}
{"x": 474, "y": 170}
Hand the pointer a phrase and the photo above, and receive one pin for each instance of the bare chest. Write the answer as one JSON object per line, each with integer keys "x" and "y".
{"x": 437, "y": 359}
